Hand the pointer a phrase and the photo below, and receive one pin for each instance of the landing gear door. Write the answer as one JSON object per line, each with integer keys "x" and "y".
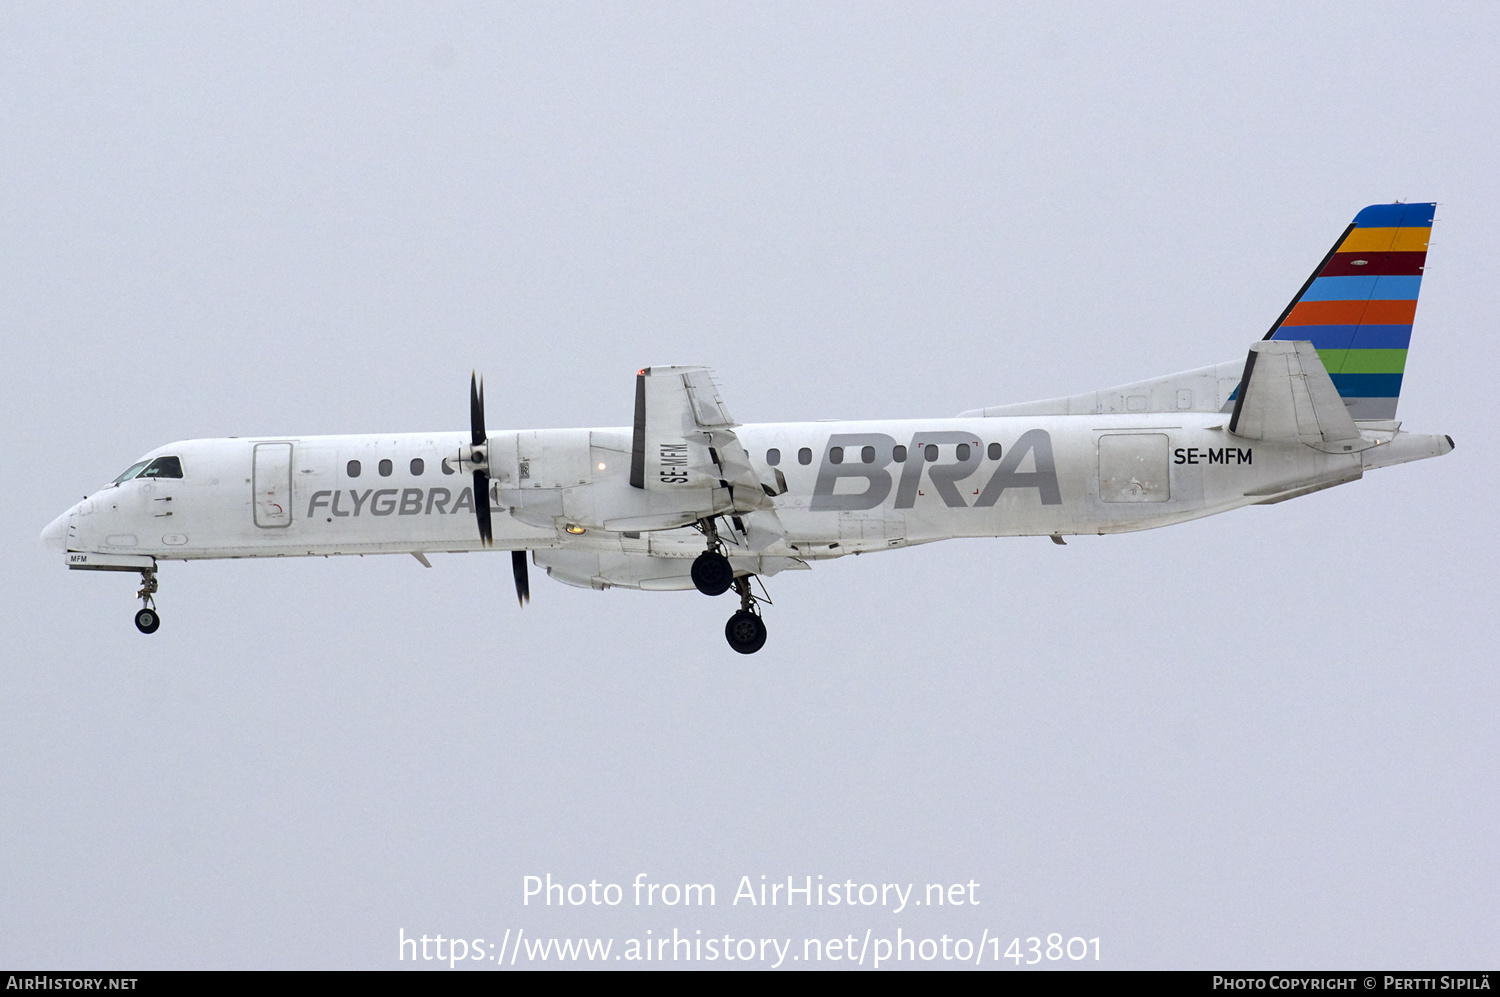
{"x": 273, "y": 485}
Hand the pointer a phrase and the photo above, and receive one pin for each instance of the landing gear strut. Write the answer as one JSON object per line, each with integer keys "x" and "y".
{"x": 746, "y": 631}
{"x": 714, "y": 575}
{"x": 147, "y": 619}
{"x": 712, "y": 572}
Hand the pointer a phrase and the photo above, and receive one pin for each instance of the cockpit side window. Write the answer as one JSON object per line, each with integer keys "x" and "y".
{"x": 131, "y": 472}
{"x": 163, "y": 467}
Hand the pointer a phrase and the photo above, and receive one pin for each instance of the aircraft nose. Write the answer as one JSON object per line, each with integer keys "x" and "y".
{"x": 55, "y": 535}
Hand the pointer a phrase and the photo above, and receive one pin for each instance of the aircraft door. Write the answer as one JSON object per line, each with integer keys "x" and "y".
{"x": 272, "y": 476}
{"x": 1133, "y": 468}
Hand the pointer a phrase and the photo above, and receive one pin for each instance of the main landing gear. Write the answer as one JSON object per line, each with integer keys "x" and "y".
{"x": 714, "y": 575}
{"x": 746, "y": 631}
{"x": 147, "y": 619}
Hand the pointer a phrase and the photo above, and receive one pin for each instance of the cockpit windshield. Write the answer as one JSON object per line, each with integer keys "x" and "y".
{"x": 161, "y": 467}
{"x": 131, "y": 472}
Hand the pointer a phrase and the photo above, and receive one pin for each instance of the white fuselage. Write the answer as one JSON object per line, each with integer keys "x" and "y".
{"x": 554, "y": 491}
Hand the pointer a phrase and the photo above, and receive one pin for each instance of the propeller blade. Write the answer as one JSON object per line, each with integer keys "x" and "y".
{"x": 482, "y": 506}
{"x": 478, "y": 437}
{"x": 523, "y": 581}
{"x": 476, "y": 410}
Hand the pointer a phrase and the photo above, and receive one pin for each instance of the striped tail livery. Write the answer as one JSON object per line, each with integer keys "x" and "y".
{"x": 1358, "y": 305}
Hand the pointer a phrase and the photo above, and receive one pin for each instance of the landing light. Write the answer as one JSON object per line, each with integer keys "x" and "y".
{"x": 601, "y": 465}
{"x": 574, "y": 529}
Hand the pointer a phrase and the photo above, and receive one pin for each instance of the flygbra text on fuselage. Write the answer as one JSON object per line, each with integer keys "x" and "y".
{"x": 684, "y": 497}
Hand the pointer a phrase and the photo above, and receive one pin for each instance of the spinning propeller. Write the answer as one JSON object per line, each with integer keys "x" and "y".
{"x": 476, "y": 456}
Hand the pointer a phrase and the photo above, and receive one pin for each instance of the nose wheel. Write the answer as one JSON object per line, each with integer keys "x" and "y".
{"x": 146, "y": 621}
{"x": 746, "y": 631}
{"x": 146, "y": 618}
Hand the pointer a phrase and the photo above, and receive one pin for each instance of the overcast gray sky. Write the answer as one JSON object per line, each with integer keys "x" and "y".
{"x": 1266, "y": 739}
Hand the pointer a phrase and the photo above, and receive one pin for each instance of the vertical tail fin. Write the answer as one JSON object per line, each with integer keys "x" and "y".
{"x": 1358, "y": 305}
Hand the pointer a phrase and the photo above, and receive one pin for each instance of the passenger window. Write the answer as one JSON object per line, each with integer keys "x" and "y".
{"x": 898, "y": 453}
{"x": 385, "y": 469}
{"x": 352, "y": 469}
{"x": 773, "y": 456}
{"x": 447, "y": 468}
{"x": 962, "y": 452}
{"x": 867, "y": 455}
{"x": 418, "y": 466}
{"x": 930, "y": 452}
{"x": 804, "y": 456}
{"x": 163, "y": 467}
{"x": 836, "y": 454}
{"x": 994, "y": 451}
{"x": 135, "y": 469}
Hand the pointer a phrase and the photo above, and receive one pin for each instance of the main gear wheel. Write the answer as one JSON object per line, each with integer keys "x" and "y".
{"x": 745, "y": 632}
{"x": 712, "y": 573}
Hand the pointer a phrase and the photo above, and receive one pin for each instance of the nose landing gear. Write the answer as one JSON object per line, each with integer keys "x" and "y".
{"x": 147, "y": 619}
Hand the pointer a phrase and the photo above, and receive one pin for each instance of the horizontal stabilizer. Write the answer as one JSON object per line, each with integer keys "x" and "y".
{"x": 1285, "y": 393}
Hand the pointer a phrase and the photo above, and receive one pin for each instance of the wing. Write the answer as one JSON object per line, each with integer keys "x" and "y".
{"x": 684, "y": 441}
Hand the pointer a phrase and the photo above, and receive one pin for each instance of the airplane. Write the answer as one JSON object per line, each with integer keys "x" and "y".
{"x": 687, "y": 498}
